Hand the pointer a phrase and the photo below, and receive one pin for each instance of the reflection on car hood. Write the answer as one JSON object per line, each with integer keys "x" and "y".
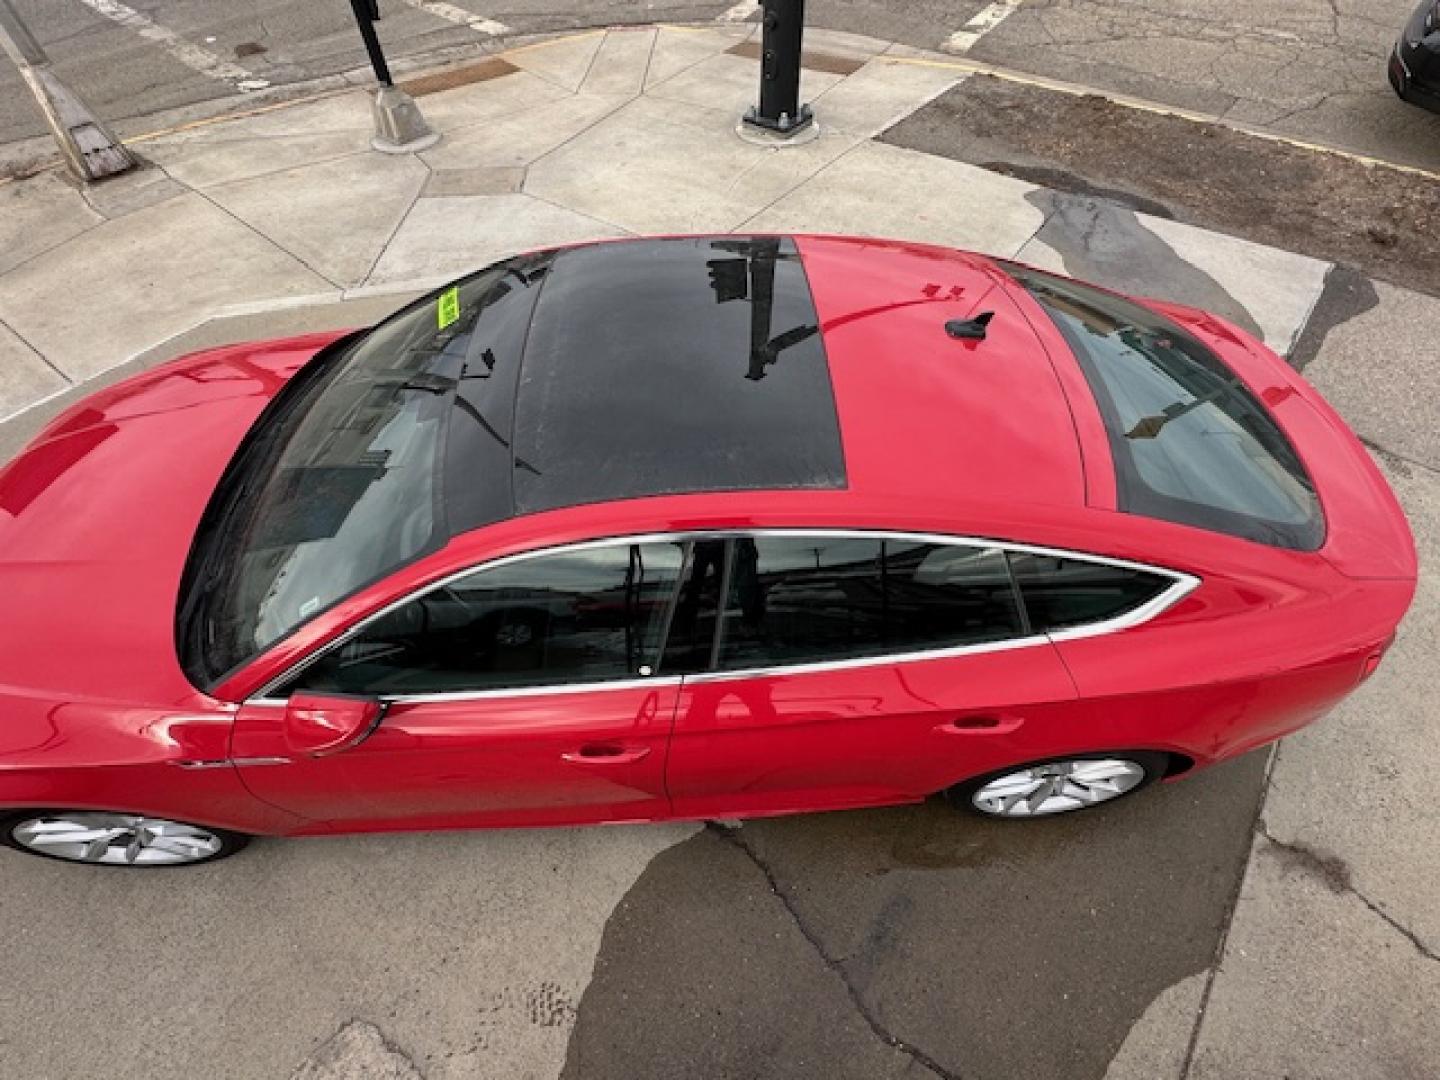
{"x": 97, "y": 516}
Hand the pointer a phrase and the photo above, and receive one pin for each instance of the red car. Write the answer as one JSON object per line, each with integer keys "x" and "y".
{"x": 679, "y": 528}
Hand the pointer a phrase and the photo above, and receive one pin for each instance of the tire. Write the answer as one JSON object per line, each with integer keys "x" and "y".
{"x": 1072, "y": 786}
{"x": 115, "y": 839}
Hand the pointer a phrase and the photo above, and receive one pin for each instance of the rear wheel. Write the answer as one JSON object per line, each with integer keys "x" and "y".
{"x": 1059, "y": 786}
{"x": 102, "y": 838}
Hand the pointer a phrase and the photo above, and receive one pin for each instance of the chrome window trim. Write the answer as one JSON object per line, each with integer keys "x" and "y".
{"x": 816, "y": 666}
{"x": 1182, "y": 585}
{"x": 508, "y": 692}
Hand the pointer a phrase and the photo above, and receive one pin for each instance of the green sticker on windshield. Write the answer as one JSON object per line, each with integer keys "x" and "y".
{"x": 449, "y": 307}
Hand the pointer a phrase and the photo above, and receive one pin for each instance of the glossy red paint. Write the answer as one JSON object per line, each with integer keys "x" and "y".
{"x": 552, "y": 758}
{"x": 96, "y": 517}
{"x": 858, "y": 737}
{"x": 1002, "y": 441}
{"x": 991, "y": 417}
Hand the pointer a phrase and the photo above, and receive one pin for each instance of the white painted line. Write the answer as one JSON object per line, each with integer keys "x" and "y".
{"x": 458, "y": 15}
{"x": 964, "y": 39}
{"x": 740, "y": 12}
{"x": 192, "y": 56}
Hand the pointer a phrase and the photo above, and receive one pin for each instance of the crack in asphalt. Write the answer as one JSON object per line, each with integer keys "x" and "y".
{"x": 733, "y": 837}
{"x": 1106, "y": 26}
{"x": 1336, "y": 875}
{"x": 358, "y": 1048}
{"x": 1334, "y": 20}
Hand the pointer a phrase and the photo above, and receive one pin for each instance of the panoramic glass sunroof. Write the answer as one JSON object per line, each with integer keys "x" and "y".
{"x": 670, "y": 366}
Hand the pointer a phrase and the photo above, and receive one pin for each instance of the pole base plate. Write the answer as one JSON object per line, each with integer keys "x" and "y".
{"x": 785, "y": 132}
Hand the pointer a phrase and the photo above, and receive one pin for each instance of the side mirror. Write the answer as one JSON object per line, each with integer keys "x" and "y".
{"x": 320, "y": 724}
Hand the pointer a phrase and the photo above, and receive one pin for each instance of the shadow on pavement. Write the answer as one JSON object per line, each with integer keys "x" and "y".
{"x": 915, "y": 941}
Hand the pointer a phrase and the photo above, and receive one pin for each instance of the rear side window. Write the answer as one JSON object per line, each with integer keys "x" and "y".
{"x": 587, "y": 615}
{"x": 1061, "y": 594}
{"x": 802, "y": 599}
{"x": 1191, "y": 444}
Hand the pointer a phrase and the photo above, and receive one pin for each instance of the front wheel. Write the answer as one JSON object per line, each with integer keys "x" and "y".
{"x": 112, "y": 839}
{"x": 1047, "y": 788}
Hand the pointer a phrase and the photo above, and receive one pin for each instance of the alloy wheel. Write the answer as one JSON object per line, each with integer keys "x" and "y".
{"x": 116, "y": 839}
{"x": 1058, "y": 786}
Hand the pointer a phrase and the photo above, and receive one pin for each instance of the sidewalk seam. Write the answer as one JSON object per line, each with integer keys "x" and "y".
{"x": 604, "y": 37}
{"x": 799, "y": 184}
{"x": 512, "y": 114}
{"x": 836, "y": 967}
{"x": 251, "y": 228}
{"x": 583, "y": 131}
{"x": 535, "y": 46}
{"x": 357, "y": 152}
{"x": 399, "y": 224}
{"x": 1256, "y": 825}
{"x": 56, "y": 246}
{"x": 1045, "y": 219}
{"x": 579, "y": 213}
{"x": 649, "y": 59}
{"x": 69, "y": 382}
{"x": 646, "y": 88}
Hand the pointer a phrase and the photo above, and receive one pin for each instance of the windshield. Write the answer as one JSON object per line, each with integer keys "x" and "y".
{"x": 1191, "y": 444}
{"x": 340, "y": 481}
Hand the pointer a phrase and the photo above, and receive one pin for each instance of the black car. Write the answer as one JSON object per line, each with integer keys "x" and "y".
{"x": 1415, "y": 63}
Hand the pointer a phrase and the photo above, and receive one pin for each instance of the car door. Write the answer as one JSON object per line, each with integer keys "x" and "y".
{"x": 851, "y": 669}
{"x": 520, "y": 693}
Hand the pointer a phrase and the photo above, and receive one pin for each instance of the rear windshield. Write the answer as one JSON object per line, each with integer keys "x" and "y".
{"x": 1191, "y": 443}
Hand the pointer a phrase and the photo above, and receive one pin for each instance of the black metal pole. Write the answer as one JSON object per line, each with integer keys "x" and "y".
{"x": 366, "y": 12}
{"x": 780, "y": 109}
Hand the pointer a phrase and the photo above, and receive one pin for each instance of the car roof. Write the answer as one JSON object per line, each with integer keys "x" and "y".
{"x": 694, "y": 365}
{"x": 923, "y": 413}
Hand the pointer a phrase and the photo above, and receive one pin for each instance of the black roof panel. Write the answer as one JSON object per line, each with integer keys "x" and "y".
{"x": 669, "y": 366}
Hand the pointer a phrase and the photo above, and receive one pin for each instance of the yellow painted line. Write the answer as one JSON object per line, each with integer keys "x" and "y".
{"x": 191, "y": 125}
{"x": 551, "y": 41}
{"x": 260, "y": 110}
{"x": 1140, "y": 105}
{"x": 687, "y": 28}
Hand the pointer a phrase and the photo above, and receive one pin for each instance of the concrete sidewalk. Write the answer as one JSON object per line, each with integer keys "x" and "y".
{"x": 1331, "y": 965}
{"x": 601, "y": 134}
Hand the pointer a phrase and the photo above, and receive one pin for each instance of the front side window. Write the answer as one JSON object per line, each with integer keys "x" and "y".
{"x": 1191, "y": 443}
{"x": 581, "y": 616}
